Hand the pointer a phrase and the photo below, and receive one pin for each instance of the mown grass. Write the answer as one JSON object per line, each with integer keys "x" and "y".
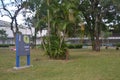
{"x": 83, "y": 64}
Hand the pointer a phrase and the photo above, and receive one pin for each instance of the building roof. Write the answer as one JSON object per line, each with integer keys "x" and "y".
{"x": 4, "y": 23}
{"x": 6, "y": 26}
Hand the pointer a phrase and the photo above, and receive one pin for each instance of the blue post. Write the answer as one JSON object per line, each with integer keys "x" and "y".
{"x": 28, "y": 60}
{"x": 17, "y": 52}
{"x": 17, "y": 61}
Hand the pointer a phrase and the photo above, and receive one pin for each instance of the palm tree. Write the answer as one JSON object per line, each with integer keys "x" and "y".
{"x": 60, "y": 14}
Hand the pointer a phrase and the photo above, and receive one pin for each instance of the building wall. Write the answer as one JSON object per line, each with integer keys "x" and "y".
{"x": 109, "y": 40}
{"x": 12, "y": 41}
{"x": 7, "y": 41}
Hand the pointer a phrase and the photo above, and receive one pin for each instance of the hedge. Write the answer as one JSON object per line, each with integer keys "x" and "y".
{"x": 118, "y": 45}
{"x": 74, "y": 46}
{"x": 4, "y": 45}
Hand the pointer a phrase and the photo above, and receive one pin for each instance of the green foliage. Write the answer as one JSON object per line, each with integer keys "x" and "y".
{"x": 56, "y": 49}
{"x": 74, "y": 46}
{"x": 57, "y": 22}
{"x": 4, "y": 45}
{"x": 117, "y": 44}
{"x": 56, "y": 16}
{"x": 11, "y": 44}
{"x": 3, "y": 35}
{"x": 106, "y": 34}
{"x": 98, "y": 13}
{"x": 63, "y": 16}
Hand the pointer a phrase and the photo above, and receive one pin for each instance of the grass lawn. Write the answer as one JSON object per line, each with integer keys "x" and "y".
{"x": 83, "y": 64}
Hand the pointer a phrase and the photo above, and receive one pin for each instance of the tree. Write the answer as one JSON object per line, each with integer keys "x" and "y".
{"x": 60, "y": 16}
{"x": 62, "y": 19}
{"x": 3, "y": 35}
{"x": 54, "y": 41}
{"x": 56, "y": 16}
{"x": 38, "y": 20}
{"x": 116, "y": 19}
{"x": 95, "y": 13}
{"x": 18, "y": 5}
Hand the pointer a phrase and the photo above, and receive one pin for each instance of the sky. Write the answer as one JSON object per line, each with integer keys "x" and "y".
{"x": 19, "y": 19}
{"x": 11, "y": 8}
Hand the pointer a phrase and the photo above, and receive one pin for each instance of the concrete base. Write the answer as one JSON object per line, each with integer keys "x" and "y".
{"x": 18, "y": 68}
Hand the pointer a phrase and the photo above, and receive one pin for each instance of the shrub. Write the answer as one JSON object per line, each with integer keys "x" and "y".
{"x": 54, "y": 48}
{"x": 4, "y": 45}
{"x": 11, "y": 44}
{"x": 39, "y": 46}
{"x": 70, "y": 46}
{"x": 78, "y": 46}
{"x": 118, "y": 45}
{"x": 74, "y": 46}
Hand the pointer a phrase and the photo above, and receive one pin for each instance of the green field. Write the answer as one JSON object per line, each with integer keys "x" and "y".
{"x": 83, "y": 64}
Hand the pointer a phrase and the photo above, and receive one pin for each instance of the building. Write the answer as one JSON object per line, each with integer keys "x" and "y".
{"x": 113, "y": 39}
{"x": 10, "y": 39}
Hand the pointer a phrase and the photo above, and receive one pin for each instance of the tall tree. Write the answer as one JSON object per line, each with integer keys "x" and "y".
{"x": 95, "y": 13}
{"x": 56, "y": 15}
{"x": 18, "y": 5}
{"x": 116, "y": 18}
{"x": 39, "y": 19}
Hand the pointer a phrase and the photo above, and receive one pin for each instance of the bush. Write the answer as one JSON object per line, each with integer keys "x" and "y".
{"x": 11, "y": 44}
{"x": 4, "y": 45}
{"x": 118, "y": 45}
{"x": 54, "y": 48}
{"x": 39, "y": 46}
{"x": 74, "y": 46}
{"x": 70, "y": 46}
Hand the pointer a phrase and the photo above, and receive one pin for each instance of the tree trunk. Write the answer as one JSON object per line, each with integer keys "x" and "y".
{"x": 92, "y": 40}
{"x": 97, "y": 34}
{"x": 16, "y": 25}
{"x": 97, "y": 43}
{"x": 35, "y": 37}
{"x": 11, "y": 25}
{"x": 49, "y": 32}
